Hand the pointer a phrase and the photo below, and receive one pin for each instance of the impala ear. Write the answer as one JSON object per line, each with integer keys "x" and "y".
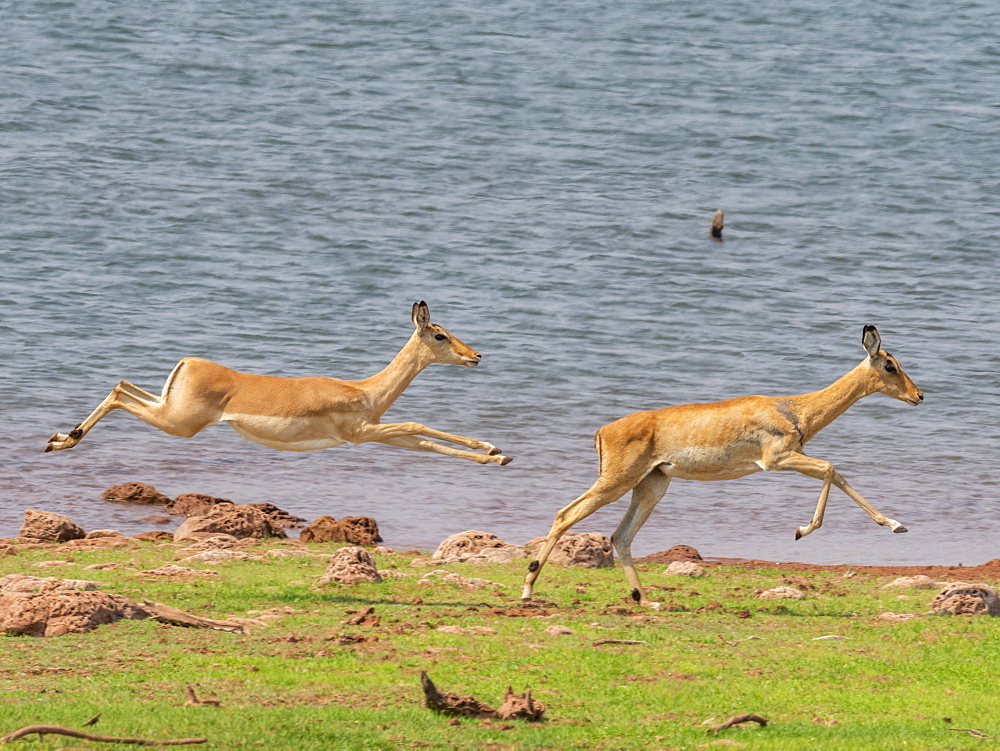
{"x": 420, "y": 316}
{"x": 871, "y": 340}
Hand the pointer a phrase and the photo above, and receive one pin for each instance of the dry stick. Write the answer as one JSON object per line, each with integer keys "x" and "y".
{"x": 58, "y": 730}
{"x": 973, "y": 732}
{"x": 736, "y": 721}
{"x": 599, "y": 642}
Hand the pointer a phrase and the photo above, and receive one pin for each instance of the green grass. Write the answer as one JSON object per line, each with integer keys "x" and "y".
{"x": 295, "y": 684}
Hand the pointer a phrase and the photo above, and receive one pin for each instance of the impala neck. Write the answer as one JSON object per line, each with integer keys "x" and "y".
{"x": 817, "y": 410}
{"x": 385, "y": 387}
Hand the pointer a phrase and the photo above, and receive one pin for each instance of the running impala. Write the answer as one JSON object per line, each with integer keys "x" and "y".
{"x": 298, "y": 414}
{"x": 644, "y": 451}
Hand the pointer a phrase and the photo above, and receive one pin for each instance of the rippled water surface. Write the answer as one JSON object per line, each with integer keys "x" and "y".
{"x": 272, "y": 186}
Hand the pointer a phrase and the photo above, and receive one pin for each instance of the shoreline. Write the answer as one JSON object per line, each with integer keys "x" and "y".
{"x": 988, "y": 570}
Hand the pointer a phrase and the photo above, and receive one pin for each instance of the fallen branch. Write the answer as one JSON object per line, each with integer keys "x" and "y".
{"x": 194, "y": 701}
{"x": 736, "y": 720}
{"x": 166, "y": 614}
{"x": 973, "y": 732}
{"x": 599, "y": 642}
{"x": 732, "y": 643}
{"x": 58, "y": 730}
{"x": 514, "y": 707}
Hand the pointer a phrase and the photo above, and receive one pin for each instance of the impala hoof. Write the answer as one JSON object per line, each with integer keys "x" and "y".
{"x": 505, "y": 460}
{"x": 899, "y": 529}
{"x": 493, "y": 451}
{"x": 799, "y": 533}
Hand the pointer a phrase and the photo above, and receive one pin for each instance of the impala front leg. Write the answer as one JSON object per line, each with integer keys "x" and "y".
{"x": 416, "y": 443}
{"x": 825, "y": 471}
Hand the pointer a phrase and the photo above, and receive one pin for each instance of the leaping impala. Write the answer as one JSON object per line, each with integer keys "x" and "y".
{"x": 298, "y": 414}
{"x": 644, "y": 451}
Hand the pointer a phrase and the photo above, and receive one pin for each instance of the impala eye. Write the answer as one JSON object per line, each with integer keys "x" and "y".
{"x": 440, "y": 337}
{"x": 890, "y": 368}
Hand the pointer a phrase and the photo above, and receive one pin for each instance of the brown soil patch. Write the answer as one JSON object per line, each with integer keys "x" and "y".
{"x": 988, "y": 570}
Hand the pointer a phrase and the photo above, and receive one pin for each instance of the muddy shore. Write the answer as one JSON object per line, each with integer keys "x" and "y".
{"x": 988, "y": 570}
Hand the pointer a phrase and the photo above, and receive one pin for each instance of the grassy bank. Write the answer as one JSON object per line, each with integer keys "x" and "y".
{"x": 304, "y": 679}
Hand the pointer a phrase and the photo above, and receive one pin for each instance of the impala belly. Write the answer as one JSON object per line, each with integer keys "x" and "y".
{"x": 711, "y": 462}
{"x": 286, "y": 433}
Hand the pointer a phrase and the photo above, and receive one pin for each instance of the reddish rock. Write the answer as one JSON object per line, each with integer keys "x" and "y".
{"x": 135, "y": 492}
{"x": 283, "y": 519}
{"x": 47, "y": 526}
{"x": 155, "y": 519}
{"x": 356, "y": 530}
{"x": 234, "y": 519}
{"x": 195, "y": 504}
{"x": 350, "y": 566}
{"x": 94, "y": 533}
{"x": 62, "y": 611}
{"x": 153, "y": 535}
{"x": 466, "y": 544}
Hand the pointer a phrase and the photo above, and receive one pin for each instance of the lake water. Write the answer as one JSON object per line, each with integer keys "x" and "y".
{"x": 273, "y": 186}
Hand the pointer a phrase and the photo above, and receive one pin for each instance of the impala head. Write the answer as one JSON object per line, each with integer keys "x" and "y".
{"x": 889, "y": 376}
{"x": 443, "y": 347}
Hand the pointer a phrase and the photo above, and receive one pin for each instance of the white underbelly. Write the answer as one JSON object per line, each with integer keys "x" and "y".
{"x": 287, "y": 434}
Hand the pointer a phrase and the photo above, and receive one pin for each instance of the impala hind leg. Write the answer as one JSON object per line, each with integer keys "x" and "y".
{"x": 122, "y": 394}
{"x": 645, "y": 496}
{"x": 175, "y": 418}
{"x": 603, "y": 492}
{"x": 416, "y": 443}
{"x": 380, "y": 432}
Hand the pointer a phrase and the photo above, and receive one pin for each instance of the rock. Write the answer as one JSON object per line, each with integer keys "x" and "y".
{"x": 685, "y": 568}
{"x": 782, "y": 593}
{"x": 8, "y": 550}
{"x": 45, "y": 525}
{"x": 62, "y": 611}
{"x": 464, "y": 545}
{"x": 283, "y": 519}
{"x": 921, "y": 581}
{"x": 195, "y": 504}
{"x": 960, "y": 598}
{"x": 497, "y": 555}
{"x": 236, "y": 520}
{"x": 350, "y": 566}
{"x": 99, "y": 543}
{"x": 135, "y": 492}
{"x": 465, "y": 582}
{"x": 153, "y": 535}
{"x": 172, "y": 570}
{"x": 21, "y": 583}
{"x": 356, "y": 530}
{"x": 215, "y": 542}
{"x": 96, "y": 533}
{"x": 217, "y": 556}
{"x": 557, "y": 630}
{"x": 156, "y": 519}
{"x": 585, "y": 550}
{"x": 897, "y": 617}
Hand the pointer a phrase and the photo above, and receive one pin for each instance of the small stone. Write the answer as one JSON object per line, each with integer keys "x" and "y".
{"x": 685, "y": 568}
{"x": 782, "y": 593}
{"x": 557, "y": 630}
{"x": 920, "y": 581}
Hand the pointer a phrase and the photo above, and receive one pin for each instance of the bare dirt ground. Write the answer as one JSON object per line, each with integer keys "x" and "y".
{"x": 988, "y": 570}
